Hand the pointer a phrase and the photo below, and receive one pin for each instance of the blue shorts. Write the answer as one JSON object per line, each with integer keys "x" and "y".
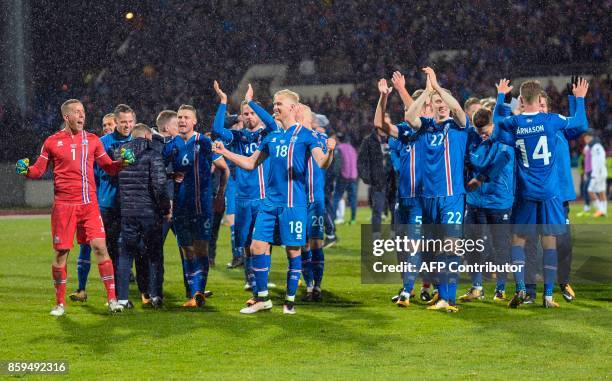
{"x": 230, "y": 197}
{"x": 244, "y": 222}
{"x": 547, "y": 216}
{"x": 445, "y": 211}
{"x": 289, "y": 223}
{"x": 192, "y": 228}
{"x": 409, "y": 217}
{"x": 315, "y": 227}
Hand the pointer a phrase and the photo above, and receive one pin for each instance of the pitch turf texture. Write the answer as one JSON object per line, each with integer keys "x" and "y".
{"x": 356, "y": 333}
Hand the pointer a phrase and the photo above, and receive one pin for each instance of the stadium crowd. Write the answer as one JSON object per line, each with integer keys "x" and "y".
{"x": 217, "y": 40}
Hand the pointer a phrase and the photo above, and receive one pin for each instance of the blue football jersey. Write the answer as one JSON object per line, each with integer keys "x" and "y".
{"x": 316, "y": 175}
{"x": 288, "y": 152}
{"x": 250, "y": 185}
{"x": 107, "y": 185}
{"x": 442, "y": 155}
{"x": 193, "y": 158}
{"x": 534, "y": 137}
{"x": 410, "y": 168}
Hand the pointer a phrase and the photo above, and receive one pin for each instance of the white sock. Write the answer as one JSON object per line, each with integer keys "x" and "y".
{"x": 587, "y": 207}
{"x": 341, "y": 209}
{"x": 599, "y": 205}
{"x": 479, "y": 288}
{"x": 123, "y": 302}
{"x": 548, "y": 298}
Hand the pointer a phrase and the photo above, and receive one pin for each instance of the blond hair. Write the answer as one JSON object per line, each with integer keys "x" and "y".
{"x": 292, "y": 95}
{"x": 66, "y": 105}
{"x": 530, "y": 91}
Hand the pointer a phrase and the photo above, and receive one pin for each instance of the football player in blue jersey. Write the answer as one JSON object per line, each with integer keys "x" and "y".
{"x": 409, "y": 214}
{"x": 313, "y": 257}
{"x": 250, "y": 185}
{"x": 191, "y": 155}
{"x": 284, "y": 207}
{"x": 533, "y": 134}
{"x": 443, "y": 141}
{"x": 566, "y": 194}
{"x": 489, "y": 200}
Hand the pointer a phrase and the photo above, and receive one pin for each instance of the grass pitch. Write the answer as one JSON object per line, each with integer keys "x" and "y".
{"x": 356, "y": 333}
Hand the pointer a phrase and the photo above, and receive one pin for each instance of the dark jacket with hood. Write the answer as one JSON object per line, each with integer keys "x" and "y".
{"x": 142, "y": 185}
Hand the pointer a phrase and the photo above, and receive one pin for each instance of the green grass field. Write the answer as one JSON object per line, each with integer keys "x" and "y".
{"x": 356, "y": 333}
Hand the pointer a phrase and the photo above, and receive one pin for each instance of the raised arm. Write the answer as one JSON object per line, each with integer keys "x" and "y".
{"x": 453, "y": 104}
{"x": 218, "y": 124}
{"x": 399, "y": 84}
{"x": 265, "y": 117}
{"x": 381, "y": 107}
{"x": 412, "y": 114}
{"x": 503, "y": 129}
{"x": 579, "y": 121}
{"x": 245, "y": 162}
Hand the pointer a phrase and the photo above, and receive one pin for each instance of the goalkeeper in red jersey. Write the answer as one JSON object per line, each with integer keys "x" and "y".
{"x": 71, "y": 153}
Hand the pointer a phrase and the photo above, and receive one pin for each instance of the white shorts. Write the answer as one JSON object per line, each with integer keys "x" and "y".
{"x": 597, "y": 184}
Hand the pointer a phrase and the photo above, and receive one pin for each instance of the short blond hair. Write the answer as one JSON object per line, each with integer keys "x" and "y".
{"x": 530, "y": 91}
{"x": 292, "y": 95}
{"x": 163, "y": 118}
{"x": 66, "y": 105}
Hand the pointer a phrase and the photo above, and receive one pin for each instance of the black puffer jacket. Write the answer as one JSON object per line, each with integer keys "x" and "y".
{"x": 372, "y": 163}
{"x": 142, "y": 185}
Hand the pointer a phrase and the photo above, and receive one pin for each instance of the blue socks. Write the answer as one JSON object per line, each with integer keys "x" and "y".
{"x": 293, "y": 276}
{"x": 409, "y": 277}
{"x": 204, "y": 267}
{"x": 83, "y": 265}
{"x": 194, "y": 276}
{"x": 518, "y": 258}
{"x": 261, "y": 269}
{"x": 237, "y": 252}
{"x": 550, "y": 270}
{"x": 307, "y": 269}
{"x": 250, "y": 275}
{"x": 442, "y": 278}
{"x": 476, "y": 279}
{"x": 318, "y": 265}
{"x": 453, "y": 277}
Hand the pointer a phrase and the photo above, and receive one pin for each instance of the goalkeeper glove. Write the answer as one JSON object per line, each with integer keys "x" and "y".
{"x": 21, "y": 168}
{"x": 127, "y": 156}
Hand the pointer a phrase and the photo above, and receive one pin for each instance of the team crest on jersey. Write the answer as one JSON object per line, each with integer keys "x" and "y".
{"x": 406, "y": 133}
{"x": 273, "y": 140}
{"x": 60, "y": 143}
{"x": 244, "y": 138}
{"x": 85, "y": 142}
{"x": 282, "y": 141}
{"x": 430, "y": 129}
{"x": 293, "y": 139}
{"x": 529, "y": 120}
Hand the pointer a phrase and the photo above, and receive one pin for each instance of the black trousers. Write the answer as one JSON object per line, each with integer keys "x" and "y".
{"x": 141, "y": 238}
{"x": 111, "y": 218}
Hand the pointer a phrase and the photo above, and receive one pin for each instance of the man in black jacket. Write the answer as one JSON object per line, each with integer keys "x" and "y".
{"x": 375, "y": 170}
{"x": 144, "y": 204}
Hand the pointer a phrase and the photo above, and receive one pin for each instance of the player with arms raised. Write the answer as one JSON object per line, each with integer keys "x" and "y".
{"x": 284, "y": 207}
{"x": 533, "y": 134}
{"x": 72, "y": 152}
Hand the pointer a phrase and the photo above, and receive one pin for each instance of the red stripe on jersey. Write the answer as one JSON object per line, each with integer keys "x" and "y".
{"x": 310, "y": 181}
{"x": 196, "y": 173}
{"x": 447, "y": 164}
{"x": 412, "y": 171}
{"x": 262, "y": 184}
{"x": 290, "y": 167}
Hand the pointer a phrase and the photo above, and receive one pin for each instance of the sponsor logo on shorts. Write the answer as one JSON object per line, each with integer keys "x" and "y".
{"x": 56, "y": 239}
